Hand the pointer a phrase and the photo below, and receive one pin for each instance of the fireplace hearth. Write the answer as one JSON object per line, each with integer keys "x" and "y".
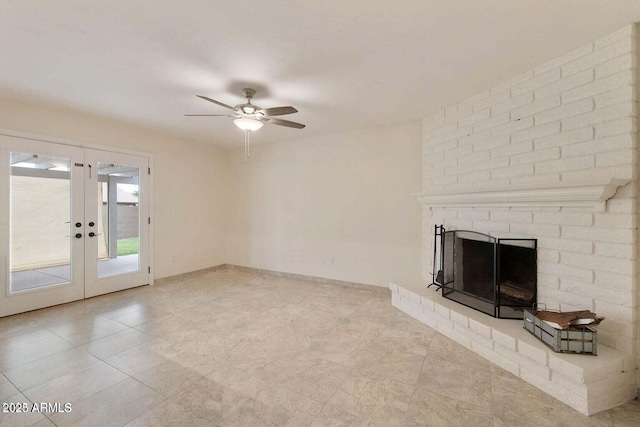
{"x": 492, "y": 275}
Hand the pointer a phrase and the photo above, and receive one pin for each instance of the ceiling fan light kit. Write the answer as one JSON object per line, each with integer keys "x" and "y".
{"x": 248, "y": 124}
{"x": 249, "y": 117}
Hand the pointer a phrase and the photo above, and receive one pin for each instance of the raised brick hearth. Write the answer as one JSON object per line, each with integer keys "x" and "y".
{"x": 589, "y": 384}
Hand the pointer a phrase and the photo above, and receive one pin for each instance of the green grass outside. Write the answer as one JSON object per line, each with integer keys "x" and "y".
{"x": 128, "y": 246}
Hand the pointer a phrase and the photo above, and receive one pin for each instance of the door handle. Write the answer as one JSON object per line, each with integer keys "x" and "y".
{"x": 78, "y": 235}
{"x": 92, "y": 234}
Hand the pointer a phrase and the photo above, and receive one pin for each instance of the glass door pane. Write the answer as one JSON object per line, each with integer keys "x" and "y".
{"x": 41, "y": 226}
{"x": 118, "y": 219}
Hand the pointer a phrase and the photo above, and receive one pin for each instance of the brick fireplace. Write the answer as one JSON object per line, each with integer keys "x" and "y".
{"x": 552, "y": 155}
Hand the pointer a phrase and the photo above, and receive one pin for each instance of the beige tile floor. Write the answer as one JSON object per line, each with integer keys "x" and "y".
{"x": 231, "y": 348}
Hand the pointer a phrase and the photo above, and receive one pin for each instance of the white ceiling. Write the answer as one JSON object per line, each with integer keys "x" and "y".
{"x": 343, "y": 64}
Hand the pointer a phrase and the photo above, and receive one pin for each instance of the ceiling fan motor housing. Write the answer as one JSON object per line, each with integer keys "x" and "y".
{"x": 248, "y": 108}
{"x": 248, "y": 92}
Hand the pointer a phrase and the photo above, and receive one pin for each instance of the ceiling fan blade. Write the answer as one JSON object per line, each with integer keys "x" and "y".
{"x": 278, "y": 111}
{"x": 215, "y": 102}
{"x": 208, "y": 115}
{"x": 286, "y": 123}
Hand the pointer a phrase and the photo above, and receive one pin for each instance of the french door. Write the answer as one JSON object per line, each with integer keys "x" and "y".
{"x": 73, "y": 223}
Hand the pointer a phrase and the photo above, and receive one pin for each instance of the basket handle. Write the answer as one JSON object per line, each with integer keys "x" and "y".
{"x": 539, "y": 306}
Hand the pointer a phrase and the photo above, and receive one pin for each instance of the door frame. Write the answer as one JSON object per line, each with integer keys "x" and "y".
{"x": 109, "y": 148}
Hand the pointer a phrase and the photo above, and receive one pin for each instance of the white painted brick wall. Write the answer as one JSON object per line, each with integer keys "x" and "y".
{"x": 600, "y": 56}
{"x": 533, "y": 352}
{"x": 574, "y": 118}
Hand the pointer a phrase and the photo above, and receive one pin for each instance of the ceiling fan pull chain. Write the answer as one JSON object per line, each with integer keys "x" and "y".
{"x": 248, "y": 144}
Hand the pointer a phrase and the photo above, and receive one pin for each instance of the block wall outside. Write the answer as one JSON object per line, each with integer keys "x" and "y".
{"x": 128, "y": 220}
{"x": 572, "y": 119}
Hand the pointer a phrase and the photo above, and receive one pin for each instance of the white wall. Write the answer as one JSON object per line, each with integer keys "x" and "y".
{"x": 573, "y": 119}
{"x": 337, "y": 206}
{"x": 188, "y": 181}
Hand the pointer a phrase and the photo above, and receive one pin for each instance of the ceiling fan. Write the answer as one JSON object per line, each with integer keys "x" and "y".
{"x": 251, "y": 117}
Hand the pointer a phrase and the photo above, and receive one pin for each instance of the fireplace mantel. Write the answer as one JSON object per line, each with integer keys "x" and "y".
{"x": 591, "y": 194}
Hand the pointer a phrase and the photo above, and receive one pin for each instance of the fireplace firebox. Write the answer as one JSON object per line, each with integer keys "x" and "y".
{"x": 492, "y": 275}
